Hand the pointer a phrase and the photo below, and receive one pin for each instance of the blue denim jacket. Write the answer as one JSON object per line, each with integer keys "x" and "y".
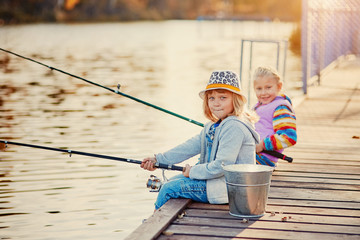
{"x": 234, "y": 143}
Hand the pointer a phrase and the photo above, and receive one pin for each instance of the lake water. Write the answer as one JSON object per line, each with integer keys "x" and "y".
{"x": 49, "y": 195}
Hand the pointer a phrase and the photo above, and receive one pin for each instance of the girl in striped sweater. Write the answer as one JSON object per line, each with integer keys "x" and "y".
{"x": 277, "y": 123}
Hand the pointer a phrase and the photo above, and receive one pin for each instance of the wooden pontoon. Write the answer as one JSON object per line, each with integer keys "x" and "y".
{"x": 315, "y": 197}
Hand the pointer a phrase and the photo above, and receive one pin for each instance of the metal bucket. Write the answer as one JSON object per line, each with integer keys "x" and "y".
{"x": 248, "y": 187}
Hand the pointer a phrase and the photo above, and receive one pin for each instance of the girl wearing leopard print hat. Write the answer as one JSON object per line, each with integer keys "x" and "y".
{"x": 228, "y": 138}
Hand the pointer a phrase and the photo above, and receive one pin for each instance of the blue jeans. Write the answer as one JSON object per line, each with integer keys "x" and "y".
{"x": 180, "y": 186}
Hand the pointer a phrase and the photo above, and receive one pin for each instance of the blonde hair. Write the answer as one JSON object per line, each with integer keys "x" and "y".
{"x": 240, "y": 108}
{"x": 266, "y": 71}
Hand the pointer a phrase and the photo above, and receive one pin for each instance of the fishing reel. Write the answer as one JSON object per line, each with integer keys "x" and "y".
{"x": 155, "y": 183}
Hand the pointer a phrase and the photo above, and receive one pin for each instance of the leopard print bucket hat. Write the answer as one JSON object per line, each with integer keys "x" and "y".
{"x": 227, "y": 80}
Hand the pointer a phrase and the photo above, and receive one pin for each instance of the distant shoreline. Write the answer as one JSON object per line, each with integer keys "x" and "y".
{"x": 76, "y": 11}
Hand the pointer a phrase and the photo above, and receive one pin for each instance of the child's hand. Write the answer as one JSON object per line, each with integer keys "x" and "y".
{"x": 186, "y": 171}
{"x": 148, "y": 163}
{"x": 260, "y": 147}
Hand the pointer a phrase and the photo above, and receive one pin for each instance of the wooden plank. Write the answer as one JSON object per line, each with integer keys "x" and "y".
{"x": 314, "y": 179}
{"x": 252, "y": 233}
{"x": 271, "y": 216}
{"x": 342, "y": 212}
{"x": 308, "y": 147}
{"x": 325, "y": 153}
{"x": 324, "y": 175}
{"x": 314, "y": 211}
{"x": 158, "y": 222}
{"x": 276, "y": 222}
{"x": 314, "y": 185}
{"x": 315, "y": 194}
{"x": 190, "y": 237}
{"x": 324, "y": 161}
{"x": 291, "y": 202}
{"x": 303, "y": 147}
{"x": 310, "y": 203}
{"x": 348, "y": 154}
{"x": 319, "y": 168}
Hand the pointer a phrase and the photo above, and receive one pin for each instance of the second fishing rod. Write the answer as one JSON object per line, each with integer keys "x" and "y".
{"x": 154, "y": 183}
{"x": 117, "y": 91}
{"x": 272, "y": 153}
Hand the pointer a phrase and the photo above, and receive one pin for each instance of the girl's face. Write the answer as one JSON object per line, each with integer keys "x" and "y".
{"x": 266, "y": 89}
{"x": 221, "y": 103}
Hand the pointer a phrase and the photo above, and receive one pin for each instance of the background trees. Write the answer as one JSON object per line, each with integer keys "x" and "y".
{"x": 19, "y": 11}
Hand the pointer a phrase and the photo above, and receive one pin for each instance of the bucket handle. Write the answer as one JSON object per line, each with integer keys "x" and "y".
{"x": 245, "y": 185}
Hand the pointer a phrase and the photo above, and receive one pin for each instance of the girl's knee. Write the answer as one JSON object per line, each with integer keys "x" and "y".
{"x": 176, "y": 177}
{"x": 170, "y": 186}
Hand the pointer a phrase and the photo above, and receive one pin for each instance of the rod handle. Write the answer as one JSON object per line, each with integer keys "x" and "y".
{"x": 169, "y": 167}
{"x": 278, "y": 155}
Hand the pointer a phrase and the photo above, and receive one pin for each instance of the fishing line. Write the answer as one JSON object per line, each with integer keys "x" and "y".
{"x": 70, "y": 152}
{"x": 272, "y": 153}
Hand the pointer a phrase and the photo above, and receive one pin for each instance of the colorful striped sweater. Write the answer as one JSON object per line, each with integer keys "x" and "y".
{"x": 277, "y": 127}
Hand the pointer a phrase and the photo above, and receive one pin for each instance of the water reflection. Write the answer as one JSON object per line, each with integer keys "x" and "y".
{"x": 45, "y": 194}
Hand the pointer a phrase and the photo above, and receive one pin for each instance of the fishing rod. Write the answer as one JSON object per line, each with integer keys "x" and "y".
{"x": 278, "y": 155}
{"x": 70, "y": 152}
{"x": 107, "y": 88}
{"x": 272, "y": 153}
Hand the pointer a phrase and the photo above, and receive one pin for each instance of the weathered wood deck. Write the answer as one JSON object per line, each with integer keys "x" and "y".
{"x": 315, "y": 197}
